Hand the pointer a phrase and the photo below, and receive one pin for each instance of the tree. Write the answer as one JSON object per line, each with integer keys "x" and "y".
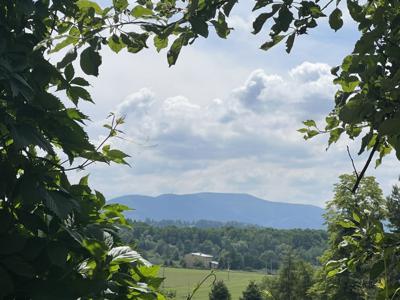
{"x": 252, "y": 292}
{"x": 219, "y": 291}
{"x": 60, "y": 240}
{"x": 294, "y": 279}
{"x": 346, "y": 262}
{"x": 393, "y": 209}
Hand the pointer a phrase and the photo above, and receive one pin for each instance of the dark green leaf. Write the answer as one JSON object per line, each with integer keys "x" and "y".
{"x": 262, "y": 18}
{"x": 120, "y": 4}
{"x": 275, "y": 40}
{"x": 199, "y": 26}
{"x": 289, "y": 42}
{"x": 68, "y": 58}
{"x": 69, "y": 72}
{"x": 80, "y": 81}
{"x": 335, "y": 19}
{"x": 90, "y": 61}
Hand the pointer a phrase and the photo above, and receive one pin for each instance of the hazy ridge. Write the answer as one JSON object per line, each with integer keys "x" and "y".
{"x": 223, "y": 207}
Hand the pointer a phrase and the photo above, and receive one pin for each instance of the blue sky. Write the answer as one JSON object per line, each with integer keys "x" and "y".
{"x": 224, "y": 119}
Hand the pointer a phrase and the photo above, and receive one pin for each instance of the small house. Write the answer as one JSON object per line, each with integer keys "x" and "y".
{"x": 198, "y": 259}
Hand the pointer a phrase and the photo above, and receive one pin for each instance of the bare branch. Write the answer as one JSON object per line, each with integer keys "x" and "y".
{"x": 352, "y": 161}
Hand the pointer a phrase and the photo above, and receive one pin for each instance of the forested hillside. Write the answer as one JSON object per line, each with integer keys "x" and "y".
{"x": 240, "y": 247}
{"x": 223, "y": 207}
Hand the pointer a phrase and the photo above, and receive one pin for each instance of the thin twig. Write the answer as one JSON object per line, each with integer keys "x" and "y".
{"x": 212, "y": 274}
{"x": 352, "y": 161}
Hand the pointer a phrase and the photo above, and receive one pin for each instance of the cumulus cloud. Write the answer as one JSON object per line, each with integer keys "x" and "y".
{"x": 246, "y": 142}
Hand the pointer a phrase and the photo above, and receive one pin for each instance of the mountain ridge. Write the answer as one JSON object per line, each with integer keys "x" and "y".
{"x": 223, "y": 207}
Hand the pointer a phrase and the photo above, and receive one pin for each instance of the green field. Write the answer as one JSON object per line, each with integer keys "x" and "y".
{"x": 183, "y": 281}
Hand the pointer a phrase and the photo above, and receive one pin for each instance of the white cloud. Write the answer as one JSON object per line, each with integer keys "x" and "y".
{"x": 246, "y": 142}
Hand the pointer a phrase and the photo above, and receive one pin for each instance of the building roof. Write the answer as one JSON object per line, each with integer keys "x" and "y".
{"x": 201, "y": 254}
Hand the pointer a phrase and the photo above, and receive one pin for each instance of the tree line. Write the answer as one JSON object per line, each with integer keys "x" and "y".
{"x": 242, "y": 248}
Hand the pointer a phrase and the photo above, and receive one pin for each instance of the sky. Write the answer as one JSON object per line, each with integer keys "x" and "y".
{"x": 224, "y": 119}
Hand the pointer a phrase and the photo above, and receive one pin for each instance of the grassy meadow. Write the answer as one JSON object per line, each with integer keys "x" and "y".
{"x": 184, "y": 280}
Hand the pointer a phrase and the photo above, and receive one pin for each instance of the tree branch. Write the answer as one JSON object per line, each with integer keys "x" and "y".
{"x": 352, "y": 161}
{"x": 359, "y": 177}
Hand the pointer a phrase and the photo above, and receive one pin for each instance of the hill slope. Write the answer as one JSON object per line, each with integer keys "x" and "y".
{"x": 223, "y": 207}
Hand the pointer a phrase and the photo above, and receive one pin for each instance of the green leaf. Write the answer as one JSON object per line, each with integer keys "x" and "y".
{"x": 347, "y": 224}
{"x": 115, "y": 155}
{"x": 262, "y": 18}
{"x": 140, "y": 11}
{"x": 68, "y": 58}
{"x": 355, "y": 111}
{"x": 160, "y": 43}
{"x": 72, "y": 38}
{"x": 275, "y": 40}
{"x": 221, "y": 27}
{"x": 390, "y": 127}
{"x": 175, "y": 49}
{"x": 311, "y": 134}
{"x": 90, "y": 61}
{"x": 285, "y": 18}
{"x": 69, "y": 72}
{"x": 261, "y": 3}
{"x": 334, "y": 135}
{"x": 59, "y": 203}
{"x": 356, "y": 217}
{"x": 349, "y": 84}
{"x": 310, "y": 123}
{"x": 76, "y": 92}
{"x": 289, "y": 42}
{"x": 333, "y": 272}
{"x": 120, "y": 5}
{"x": 86, "y": 4}
{"x": 95, "y": 248}
{"x": 80, "y": 81}
{"x": 228, "y": 7}
{"x": 125, "y": 254}
{"x": 115, "y": 43}
{"x": 335, "y": 19}
{"x": 199, "y": 26}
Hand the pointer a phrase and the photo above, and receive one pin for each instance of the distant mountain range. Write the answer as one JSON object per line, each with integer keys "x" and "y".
{"x": 223, "y": 207}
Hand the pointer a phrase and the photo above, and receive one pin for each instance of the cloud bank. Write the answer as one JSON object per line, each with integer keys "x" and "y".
{"x": 246, "y": 142}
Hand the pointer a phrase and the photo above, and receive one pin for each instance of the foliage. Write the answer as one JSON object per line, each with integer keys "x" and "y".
{"x": 55, "y": 234}
{"x": 362, "y": 259}
{"x": 219, "y": 291}
{"x": 365, "y": 103}
{"x": 239, "y": 248}
{"x": 294, "y": 279}
{"x": 252, "y": 292}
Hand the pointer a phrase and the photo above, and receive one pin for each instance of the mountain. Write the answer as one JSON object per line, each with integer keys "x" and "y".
{"x": 223, "y": 207}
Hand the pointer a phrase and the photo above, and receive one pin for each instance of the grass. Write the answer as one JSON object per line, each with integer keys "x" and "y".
{"x": 184, "y": 280}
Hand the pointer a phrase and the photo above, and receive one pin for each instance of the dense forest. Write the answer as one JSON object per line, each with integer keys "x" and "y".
{"x": 235, "y": 245}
